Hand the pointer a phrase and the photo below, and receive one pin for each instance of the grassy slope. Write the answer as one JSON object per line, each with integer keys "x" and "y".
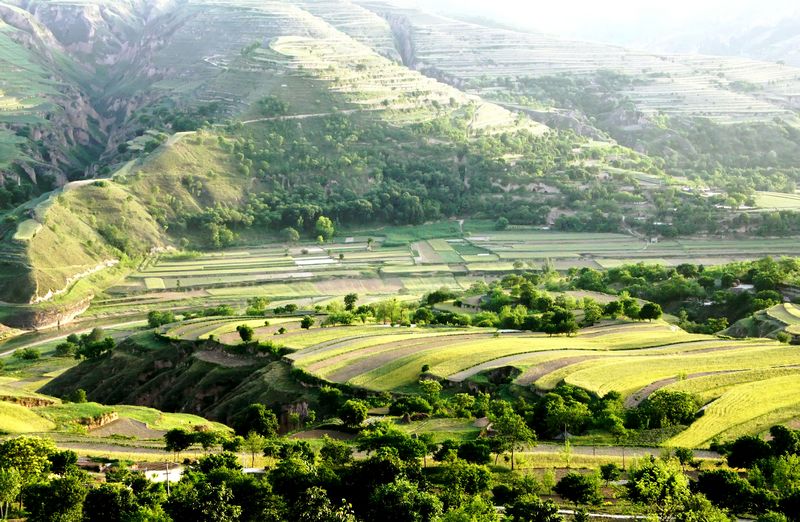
{"x": 166, "y": 376}
{"x": 70, "y": 242}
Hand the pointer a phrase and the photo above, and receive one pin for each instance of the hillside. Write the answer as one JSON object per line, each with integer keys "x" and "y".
{"x": 228, "y": 123}
{"x": 326, "y": 126}
{"x": 183, "y": 377}
{"x": 710, "y": 118}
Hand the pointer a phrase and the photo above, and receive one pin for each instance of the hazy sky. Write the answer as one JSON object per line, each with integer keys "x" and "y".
{"x": 626, "y": 18}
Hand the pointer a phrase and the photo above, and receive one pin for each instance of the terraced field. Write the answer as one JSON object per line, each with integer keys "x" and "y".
{"x": 634, "y": 359}
{"x": 675, "y": 85}
{"x": 777, "y": 201}
{"x": 610, "y": 250}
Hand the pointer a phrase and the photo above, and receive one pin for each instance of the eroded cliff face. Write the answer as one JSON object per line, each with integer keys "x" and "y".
{"x": 84, "y": 50}
{"x": 65, "y": 128}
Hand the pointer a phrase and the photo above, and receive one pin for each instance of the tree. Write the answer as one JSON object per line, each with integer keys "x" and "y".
{"x": 89, "y": 348}
{"x": 530, "y": 508}
{"x": 245, "y": 332}
{"x": 109, "y": 502}
{"x": 350, "y": 301}
{"x": 335, "y": 452}
{"x": 10, "y": 488}
{"x": 254, "y": 443}
{"x": 727, "y": 489}
{"x": 477, "y": 509}
{"x": 592, "y": 313}
{"x": 475, "y": 451}
{"x": 233, "y": 444}
{"x": 430, "y": 390}
{"x": 257, "y": 418}
{"x": 381, "y": 436}
{"x": 202, "y": 501}
{"x": 63, "y": 462}
{"x": 207, "y": 439}
{"x": 559, "y": 321}
{"x": 784, "y": 441}
{"x": 632, "y": 309}
{"x": 610, "y": 472}
{"x": 177, "y": 440}
{"x": 512, "y": 433}
{"x": 290, "y": 235}
{"x": 463, "y": 481}
{"x": 313, "y": 505}
{"x": 650, "y": 311}
{"x": 324, "y": 227}
{"x": 665, "y": 408}
{"x": 579, "y": 489}
{"x": 27, "y": 354}
{"x": 501, "y": 223}
{"x": 28, "y": 455}
{"x": 684, "y": 455}
{"x": 659, "y": 485}
{"x": 156, "y": 318}
{"x": 747, "y": 450}
{"x": 402, "y": 501}
{"x": 78, "y": 396}
{"x": 307, "y": 322}
{"x": 613, "y": 309}
{"x": 60, "y": 500}
{"x": 66, "y": 349}
{"x": 257, "y": 305}
{"x": 353, "y": 412}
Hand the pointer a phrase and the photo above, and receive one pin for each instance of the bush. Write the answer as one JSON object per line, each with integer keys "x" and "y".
{"x": 246, "y": 332}
{"x": 410, "y": 405}
{"x": 156, "y": 318}
{"x": 353, "y": 412}
{"x": 66, "y": 349}
{"x": 28, "y": 354}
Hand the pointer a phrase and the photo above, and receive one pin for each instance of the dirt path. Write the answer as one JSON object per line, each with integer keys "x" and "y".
{"x": 313, "y": 115}
{"x": 534, "y": 374}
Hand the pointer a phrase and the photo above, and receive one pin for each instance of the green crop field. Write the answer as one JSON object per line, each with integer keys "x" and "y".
{"x": 778, "y": 201}
{"x": 745, "y": 409}
{"x": 786, "y": 313}
{"x": 597, "y": 359}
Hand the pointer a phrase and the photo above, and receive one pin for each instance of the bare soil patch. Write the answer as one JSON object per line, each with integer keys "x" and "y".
{"x": 127, "y": 428}
{"x": 225, "y": 359}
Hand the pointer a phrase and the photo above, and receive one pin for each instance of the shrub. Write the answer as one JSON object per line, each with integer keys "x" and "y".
{"x": 28, "y": 354}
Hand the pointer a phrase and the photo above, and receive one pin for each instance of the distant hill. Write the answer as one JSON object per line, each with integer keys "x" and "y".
{"x": 204, "y": 124}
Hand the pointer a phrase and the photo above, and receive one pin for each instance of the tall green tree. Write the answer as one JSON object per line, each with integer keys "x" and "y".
{"x": 258, "y": 418}
{"x": 658, "y": 485}
{"x": 60, "y": 500}
{"x": 353, "y": 412}
{"x": 324, "y": 227}
{"x": 10, "y": 488}
{"x": 202, "y": 501}
{"x": 30, "y": 456}
{"x": 579, "y": 488}
{"x": 512, "y": 433}
{"x": 254, "y": 444}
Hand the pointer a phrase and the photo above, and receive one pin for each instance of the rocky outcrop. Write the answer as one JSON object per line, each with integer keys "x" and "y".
{"x": 28, "y": 402}
{"x": 40, "y": 318}
{"x": 98, "y": 421}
